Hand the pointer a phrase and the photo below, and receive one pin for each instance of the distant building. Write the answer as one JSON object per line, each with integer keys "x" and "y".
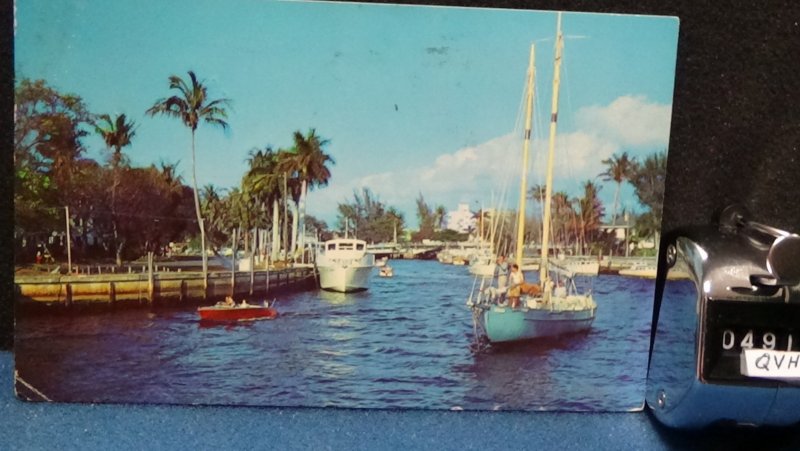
{"x": 461, "y": 220}
{"x": 623, "y": 228}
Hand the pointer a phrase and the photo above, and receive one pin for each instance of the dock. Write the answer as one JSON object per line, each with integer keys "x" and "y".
{"x": 158, "y": 288}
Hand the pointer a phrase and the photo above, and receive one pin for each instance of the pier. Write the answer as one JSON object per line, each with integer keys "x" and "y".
{"x": 158, "y": 288}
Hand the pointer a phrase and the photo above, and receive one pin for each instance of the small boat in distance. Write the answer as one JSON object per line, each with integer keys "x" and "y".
{"x": 230, "y": 311}
{"x": 344, "y": 265}
{"x": 386, "y": 271}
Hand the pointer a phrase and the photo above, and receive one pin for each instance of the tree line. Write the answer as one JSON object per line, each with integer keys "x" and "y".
{"x": 120, "y": 211}
{"x": 577, "y": 222}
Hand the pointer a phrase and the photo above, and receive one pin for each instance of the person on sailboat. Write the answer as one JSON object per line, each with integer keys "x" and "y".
{"x": 515, "y": 286}
{"x": 501, "y": 272}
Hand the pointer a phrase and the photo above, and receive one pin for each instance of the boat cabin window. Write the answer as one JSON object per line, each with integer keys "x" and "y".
{"x": 331, "y": 246}
{"x": 360, "y": 247}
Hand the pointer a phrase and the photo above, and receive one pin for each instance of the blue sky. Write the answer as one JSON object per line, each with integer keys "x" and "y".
{"x": 412, "y": 99}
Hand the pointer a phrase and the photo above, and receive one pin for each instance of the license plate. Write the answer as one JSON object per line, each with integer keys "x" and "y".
{"x": 738, "y": 333}
{"x": 769, "y": 364}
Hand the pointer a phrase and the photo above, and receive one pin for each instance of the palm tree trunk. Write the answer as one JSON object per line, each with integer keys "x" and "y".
{"x": 276, "y": 238}
{"x": 614, "y": 216}
{"x": 199, "y": 218}
{"x": 303, "y": 195}
{"x": 295, "y": 222}
{"x": 285, "y": 218}
{"x": 114, "y": 184}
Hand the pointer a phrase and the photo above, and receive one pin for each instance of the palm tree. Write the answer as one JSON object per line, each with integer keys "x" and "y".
{"x": 537, "y": 193}
{"x": 619, "y": 168}
{"x": 290, "y": 166}
{"x": 191, "y": 105}
{"x": 441, "y": 216}
{"x": 313, "y": 170}
{"x": 648, "y": 180}
{"x": 562, "y": 213}
{"x": 116, "y": 134}
{"x": 218, "y": 216}
{"x": 264, "y": 181}
{"x": 590, "y": 213}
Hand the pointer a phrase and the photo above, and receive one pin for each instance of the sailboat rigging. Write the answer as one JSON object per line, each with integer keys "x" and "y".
{"x": 554, "y": 307}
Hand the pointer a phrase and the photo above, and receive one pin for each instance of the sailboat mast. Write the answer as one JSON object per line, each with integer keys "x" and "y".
{"x": 480, "y": 222}
{"x": 543, "y": 276}
{"x": 525, "y": 151}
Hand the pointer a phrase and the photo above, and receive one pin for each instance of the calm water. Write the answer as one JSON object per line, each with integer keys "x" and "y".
{"x": 403, "y": 343}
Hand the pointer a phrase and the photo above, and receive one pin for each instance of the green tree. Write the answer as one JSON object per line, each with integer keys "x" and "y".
{"x": 48, "y": 151}
{"x": 217, "y": 217}
{"x": 116, "y": 134}
{"x": 318, "y": 227}
{"x": 313, "y": 168}
{"x": 562, "y": 218}
{"x": 440, "y": 217}
{"x": 590, "y": 215}
{"x": 192, "y": 105}
{"x": 537, "y": 193}
{"x": 290, "y": 166}
{"x": 156, "y": 208}
{"x": 648, "y": 180}
{"x": 427, "y": 220}
{"x": 619, "y": 168}
{"x": 370, "y": 218}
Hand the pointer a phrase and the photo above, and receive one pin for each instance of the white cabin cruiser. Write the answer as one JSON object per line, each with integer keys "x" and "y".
{"x": 344, "y": 265}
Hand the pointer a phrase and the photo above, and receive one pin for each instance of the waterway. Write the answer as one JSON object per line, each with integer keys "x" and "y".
{"x": 404, "y": 343}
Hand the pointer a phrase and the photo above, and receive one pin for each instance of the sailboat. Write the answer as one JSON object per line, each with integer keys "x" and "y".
{"x": 482, "y": 263}
{"x": 556, "y": 308}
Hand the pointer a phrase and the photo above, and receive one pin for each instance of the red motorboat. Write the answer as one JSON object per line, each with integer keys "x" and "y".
{"x": 236, "y": 312}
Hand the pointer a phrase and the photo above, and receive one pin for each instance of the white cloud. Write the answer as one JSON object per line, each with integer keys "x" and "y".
{"x": 630, "y": 121}
{"x": 491, "y": 169}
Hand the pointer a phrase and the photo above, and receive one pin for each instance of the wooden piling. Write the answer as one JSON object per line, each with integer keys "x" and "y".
{"x": 68, "y": 297}
{"x": 182, "y": 292}
{"x": 112, "y": 293}
{"x": 150, "y": 280}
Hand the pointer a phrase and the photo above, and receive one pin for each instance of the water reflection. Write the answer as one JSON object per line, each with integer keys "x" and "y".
{"x": 336, "y": 298}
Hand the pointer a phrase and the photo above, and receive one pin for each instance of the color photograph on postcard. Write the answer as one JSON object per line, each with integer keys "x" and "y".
{"x": 336, "y": 204}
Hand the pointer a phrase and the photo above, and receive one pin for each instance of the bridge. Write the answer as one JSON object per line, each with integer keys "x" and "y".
{"x": 422, "y": 251}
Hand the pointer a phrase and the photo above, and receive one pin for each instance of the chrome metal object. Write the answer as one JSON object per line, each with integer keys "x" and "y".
{"x": 727, "y": 301}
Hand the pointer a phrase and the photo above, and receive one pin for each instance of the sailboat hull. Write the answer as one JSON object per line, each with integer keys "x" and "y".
{"x": 503, "y": 324}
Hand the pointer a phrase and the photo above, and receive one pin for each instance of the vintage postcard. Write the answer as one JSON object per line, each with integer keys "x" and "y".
{"x": 337, "y": 204}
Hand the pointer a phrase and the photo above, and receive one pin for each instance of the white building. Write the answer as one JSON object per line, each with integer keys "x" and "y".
{"x": 461, "y": 220}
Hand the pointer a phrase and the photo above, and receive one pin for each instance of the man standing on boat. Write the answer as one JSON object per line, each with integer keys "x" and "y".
{"x": 501, "y": 273}
{"x": 515, "y": 290}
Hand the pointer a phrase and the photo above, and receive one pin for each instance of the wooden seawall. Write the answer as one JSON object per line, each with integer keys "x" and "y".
{"x": 158, "y": 288}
